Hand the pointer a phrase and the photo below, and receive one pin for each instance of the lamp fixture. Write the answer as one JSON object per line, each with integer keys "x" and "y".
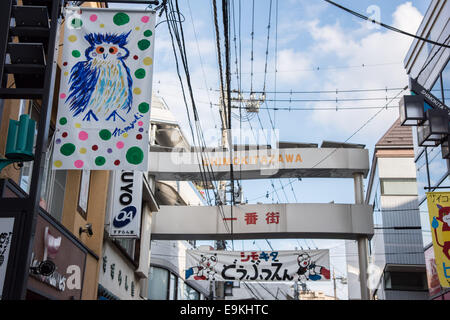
{"x": 411, "y": 110}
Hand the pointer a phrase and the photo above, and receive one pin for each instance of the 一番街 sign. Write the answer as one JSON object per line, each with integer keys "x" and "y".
{"x": 126, "y": 203}
{"x": 439, "y": 211}
{"x": 309, "y": 265}
{"x": 105, "y": 90}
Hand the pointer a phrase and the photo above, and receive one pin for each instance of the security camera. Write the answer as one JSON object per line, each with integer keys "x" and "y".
{"x": 87, "y": 229}
{"x": 45, "y": 268}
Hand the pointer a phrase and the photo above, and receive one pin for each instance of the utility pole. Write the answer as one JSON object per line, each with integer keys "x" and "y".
{"x": 222, "y": 192}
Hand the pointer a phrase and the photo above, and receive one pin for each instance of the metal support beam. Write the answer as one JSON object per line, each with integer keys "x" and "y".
{"x": 363, "y": 240}
{"x": 5, "y": 17}
{"x": 16, "y": 286}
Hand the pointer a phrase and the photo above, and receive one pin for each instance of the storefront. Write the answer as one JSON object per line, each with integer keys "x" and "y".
{"x": 434, "y": 288}
{"x": 164, "y": 284}
{"x": 58, "y": 258}
{"x": 118, "y": 279}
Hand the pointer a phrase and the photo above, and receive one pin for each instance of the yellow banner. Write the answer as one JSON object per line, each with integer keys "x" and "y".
{"x": 439, "y": 211}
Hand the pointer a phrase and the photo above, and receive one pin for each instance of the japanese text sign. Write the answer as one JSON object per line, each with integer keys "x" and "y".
{"x": 310, "y": 265}
{"x": 439, "y": 212}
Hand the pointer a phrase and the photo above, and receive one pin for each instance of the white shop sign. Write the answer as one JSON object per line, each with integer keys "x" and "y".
{"x": 6, "y": 232}
{"x": 262, "y": 164}
{"x": 125, "y": 217}
{"x": 309, "y": 265}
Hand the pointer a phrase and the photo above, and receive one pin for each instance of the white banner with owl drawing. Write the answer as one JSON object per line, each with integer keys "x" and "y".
{"x": 308, "y": 265}
{"x": 105, "y": 90}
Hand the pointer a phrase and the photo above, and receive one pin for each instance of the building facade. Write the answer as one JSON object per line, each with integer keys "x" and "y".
{"x": 74, "y": 211}
{"x": 429, "y": 65}
{"x": 398, "y": 265}
{"x": 166, "y": 277}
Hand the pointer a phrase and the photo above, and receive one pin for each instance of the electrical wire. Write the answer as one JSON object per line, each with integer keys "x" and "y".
{"x": 385, "y": 25}
{"x": 351, "y": 136}
{"x": 326, "y": 108}
{"x": 316, "y": 69}
{"x": 177, "y": 32}
{"x": 201, "y": 62}
{"x": 429, "y": 61}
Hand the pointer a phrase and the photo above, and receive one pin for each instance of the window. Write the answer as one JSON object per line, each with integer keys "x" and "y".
{"x": 83, "y": 195}
{"x": 422, "y": 175}
{"x": 30, "y": 108}
{"x": 186, "y": 292}
{"x": 396, "y": 187}
{"x": 173, "y": 287}
{"x": 180, "y": 290}
{"x": 53, "y": 181}
{"x": 425, "y": 223}
{"x": 436, "y": 90}
{"x": 158, "y": 284}
{"x": 127, "y": 245}
{"x": 445, "y": 76}
{"x": 57, "y": 194}
{"x": 408, "y": 281}
{"x": 191, "y": 293}
{"x": 437, "y": 167}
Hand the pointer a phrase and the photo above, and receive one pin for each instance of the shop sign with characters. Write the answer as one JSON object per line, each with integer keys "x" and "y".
{"x": 125, "y": 219}
{"x": 439, "y": 211}
{"x": 311, "y": 265}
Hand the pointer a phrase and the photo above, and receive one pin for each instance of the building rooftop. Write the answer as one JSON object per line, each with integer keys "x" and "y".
{"x": 396, "y": 136}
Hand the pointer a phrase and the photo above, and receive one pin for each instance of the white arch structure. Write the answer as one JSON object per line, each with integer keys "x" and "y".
{"x": 299, "y": 220}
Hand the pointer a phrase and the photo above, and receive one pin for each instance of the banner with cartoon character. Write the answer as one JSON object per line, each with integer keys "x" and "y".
{"x": 439, "y": 211}
{"x": 310, "y": 265}
{"x": 105, "y": 90}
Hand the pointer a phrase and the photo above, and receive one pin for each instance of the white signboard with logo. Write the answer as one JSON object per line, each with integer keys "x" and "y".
{"x": 125, "y": 215}
{"x": 6, "y": 232}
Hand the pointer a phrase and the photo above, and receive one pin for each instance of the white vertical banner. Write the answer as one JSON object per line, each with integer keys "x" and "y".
{"x": 105, "y": 90}
{"x": 308, "y": 265}
{"x": 126, "y": 204}
{"x": 6, "y": 232}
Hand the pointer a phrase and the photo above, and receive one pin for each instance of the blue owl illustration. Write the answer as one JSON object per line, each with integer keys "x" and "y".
{"x": 101, "y": 85}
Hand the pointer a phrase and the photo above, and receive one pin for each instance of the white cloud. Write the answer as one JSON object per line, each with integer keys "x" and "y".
{"x": 378, "y": 47}
{"x": 290, "y": 65}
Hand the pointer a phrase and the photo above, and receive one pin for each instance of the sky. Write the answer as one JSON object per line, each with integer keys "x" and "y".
{"x": 313, "y": 47}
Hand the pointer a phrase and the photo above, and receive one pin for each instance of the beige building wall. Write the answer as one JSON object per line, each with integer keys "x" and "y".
{"x": 71, "y": 218}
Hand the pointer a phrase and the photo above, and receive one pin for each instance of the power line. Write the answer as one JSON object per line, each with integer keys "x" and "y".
{"x": 225, "y": 13}
{"x": 336, "y": 108}
{"x": 337, "y": 91}
{"x": 352, "y": 135}
{"x": 318, "y": 68}
{"x": 332, "y": 91}
{"x": 176, "y": 31}
{"x": 429, "y": 61}
{"x": 201, "y": 62}
{"x": 331, "y": 100}
{"x": 385, "y": 25}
